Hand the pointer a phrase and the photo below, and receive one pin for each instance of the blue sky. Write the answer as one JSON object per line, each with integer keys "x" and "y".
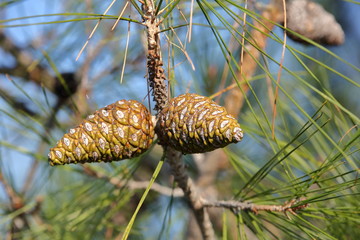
{"x": 18, "y": 163}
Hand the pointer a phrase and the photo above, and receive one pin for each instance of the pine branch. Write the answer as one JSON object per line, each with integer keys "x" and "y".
{"x": 15, "y": 200}
{"x": 133, "y": 185}
{"x": 187, "y": 185}
{"x": 156, "y": 78}
{"x": 291, "y": 206}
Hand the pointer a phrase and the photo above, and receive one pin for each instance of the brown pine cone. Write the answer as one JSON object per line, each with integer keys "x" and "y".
{"x": 191, "y": 123}
{"x": 118, "y": 131}
{"x": 311, "y": 20}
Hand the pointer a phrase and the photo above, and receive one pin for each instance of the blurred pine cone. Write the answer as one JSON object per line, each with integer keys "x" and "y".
{"x": 118, "y": 131}
{"x": 191, "y": 123}
{"x": 312, "y": 21}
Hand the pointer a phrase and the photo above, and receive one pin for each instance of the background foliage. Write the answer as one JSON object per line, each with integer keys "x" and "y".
{"x": 313, "y": 156}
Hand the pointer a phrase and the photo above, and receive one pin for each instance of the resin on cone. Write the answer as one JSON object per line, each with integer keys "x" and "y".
{"x": 191, "y": 123}
{"x": 118, "y": 131}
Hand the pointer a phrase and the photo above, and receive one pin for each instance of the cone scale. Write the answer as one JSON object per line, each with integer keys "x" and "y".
{"x": 191, "y": 123}
{"x": 118, "y": 131}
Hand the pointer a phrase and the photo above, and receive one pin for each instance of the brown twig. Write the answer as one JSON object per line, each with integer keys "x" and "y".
{"x": 19, "y": 222}
{"x": 289, "y": 207}
{"x": 15, "y": 200}
{"x": 187, "y": 185}
{"x": 156, "y": 76}
{"x": 134, "y": 185}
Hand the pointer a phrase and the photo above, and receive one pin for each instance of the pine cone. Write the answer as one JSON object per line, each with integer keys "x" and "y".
{"x": 195, "y": 124}
{"x": 118, "y": 131}
{"x": 311, "y": 20}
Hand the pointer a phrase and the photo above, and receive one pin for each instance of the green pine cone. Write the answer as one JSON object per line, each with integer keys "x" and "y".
{"x": 191, "y": 123}
{"x": 118, "y": 131}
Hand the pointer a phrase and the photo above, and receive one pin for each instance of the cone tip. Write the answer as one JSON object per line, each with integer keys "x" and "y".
{"x": 238, "y": 134}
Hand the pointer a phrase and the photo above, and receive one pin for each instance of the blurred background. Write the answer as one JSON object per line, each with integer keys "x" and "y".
{"x": 308, "y": 150}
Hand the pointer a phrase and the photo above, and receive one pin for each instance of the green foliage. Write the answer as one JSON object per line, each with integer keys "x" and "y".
{"x": 313, "y": 158}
